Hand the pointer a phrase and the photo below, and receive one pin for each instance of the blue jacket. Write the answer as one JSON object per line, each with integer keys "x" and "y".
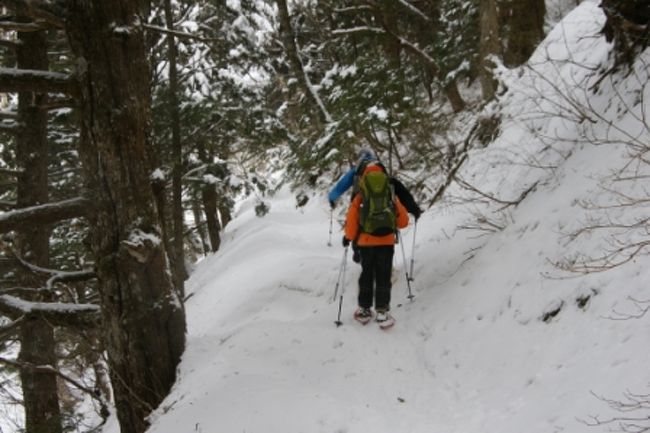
{"x": 342, "y": 185}
{"x": 401, "y": 192}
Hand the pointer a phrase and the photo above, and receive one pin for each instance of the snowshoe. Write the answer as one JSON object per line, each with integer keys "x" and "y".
{"x": 363, "y": 315}
{"x": 385, "y": 320}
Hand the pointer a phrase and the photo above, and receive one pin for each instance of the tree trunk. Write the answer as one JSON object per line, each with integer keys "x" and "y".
{"x": 490, "y": 46}
{"x": 198, "y": 223}
{"x": 454, "y": 97}
{"x": 37, "y": 345}
{"x": 525, "y": 19}
{"x": 144, "y": 322}
{"x": 180, "y": 273}
{"x": 209, "y": 196}
{"x": 291, "y": 50}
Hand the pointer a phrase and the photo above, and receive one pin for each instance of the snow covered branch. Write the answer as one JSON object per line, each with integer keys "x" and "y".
{"x": 9, "y": 26}
{"x": 359, "y": 29}
{"x": 179, "y": 34}
{"x": 43, "y": 214}
{"x": 57, "y": 276}
{"x": 354, "y": 9}
{"x": 40, "y": 10}
{"x": 32, "y": 80}
{"x": 11, "y": 128}
{"x": 57, "y": 313}
{"x": 414, "y": 10}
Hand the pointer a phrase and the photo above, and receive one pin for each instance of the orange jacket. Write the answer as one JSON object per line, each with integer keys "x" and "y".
{"x": 364, "y": 239}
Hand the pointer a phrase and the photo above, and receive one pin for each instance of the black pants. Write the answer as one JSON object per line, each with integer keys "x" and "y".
{"x": 376, "y": 267}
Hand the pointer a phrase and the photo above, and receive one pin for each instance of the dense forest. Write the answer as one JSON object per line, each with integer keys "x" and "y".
{"x": 130, "y": 128}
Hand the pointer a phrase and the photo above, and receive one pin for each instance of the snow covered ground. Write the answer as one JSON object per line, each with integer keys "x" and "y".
{"x": 479, "y": 350}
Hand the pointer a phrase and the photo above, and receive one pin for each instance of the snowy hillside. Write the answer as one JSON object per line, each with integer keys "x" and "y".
{"x": 498, "y": 338}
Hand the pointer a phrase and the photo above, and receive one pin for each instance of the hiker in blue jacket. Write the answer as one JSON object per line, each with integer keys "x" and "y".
{"x": 367, "y": 156}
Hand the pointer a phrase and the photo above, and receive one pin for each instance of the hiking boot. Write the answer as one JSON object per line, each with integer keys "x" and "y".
{"x": 363, "y": 312}
{"x": 385, "y": 320}
{"x": 363, "y": 315}
{"x": 382, "y": 316}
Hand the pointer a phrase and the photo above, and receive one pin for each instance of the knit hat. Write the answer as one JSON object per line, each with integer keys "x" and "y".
{"x": 366, "y": 154}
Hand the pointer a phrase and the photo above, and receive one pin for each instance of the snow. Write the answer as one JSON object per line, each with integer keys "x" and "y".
{"x": 380, "y": 113}
{"x": 478, "y": 350}
{"x": 157, "y": 175}
{"x": 140, "y": 237}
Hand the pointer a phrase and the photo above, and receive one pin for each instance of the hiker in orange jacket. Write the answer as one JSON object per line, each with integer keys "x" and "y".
{"x": 376, "y": 258}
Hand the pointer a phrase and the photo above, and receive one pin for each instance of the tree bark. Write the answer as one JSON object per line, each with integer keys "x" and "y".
{"x": 490, "y": 46}
{"x": 525, "y": 20}
{"x": 180, "y": 273}
{"x": 453, "y": 95}
{"x": 209, "y": 196}
{"x": 37, "y": 345}
{"x": 198, "y": 223}
{"x": 144, "y": 322}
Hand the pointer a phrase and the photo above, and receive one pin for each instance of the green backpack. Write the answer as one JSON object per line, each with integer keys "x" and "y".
{"x": 377, "y": 213}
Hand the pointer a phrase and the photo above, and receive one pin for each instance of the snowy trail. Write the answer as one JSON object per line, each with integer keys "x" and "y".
{"x": 264, "y": 354}
{"x": 497, "y": 340}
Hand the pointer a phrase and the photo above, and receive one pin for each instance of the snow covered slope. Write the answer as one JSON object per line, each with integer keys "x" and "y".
{"x": 498, "y": 339}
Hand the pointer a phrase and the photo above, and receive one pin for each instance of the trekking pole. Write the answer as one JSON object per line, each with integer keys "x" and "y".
{"x": 415, "y": 229}
{"x": 329, "y": 242}
{"x": 406, "y": 272}
{"x": 341, "y": 281}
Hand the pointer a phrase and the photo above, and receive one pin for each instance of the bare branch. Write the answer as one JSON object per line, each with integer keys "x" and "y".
{"x": 94, "y": 393}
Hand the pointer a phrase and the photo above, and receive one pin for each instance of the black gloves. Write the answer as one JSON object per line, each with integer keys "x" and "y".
{"x": 346, "y": 241}
{"x": 356, "y": 254}
{"x": 332, "y": 204}
{"x": 417, "y": 212}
